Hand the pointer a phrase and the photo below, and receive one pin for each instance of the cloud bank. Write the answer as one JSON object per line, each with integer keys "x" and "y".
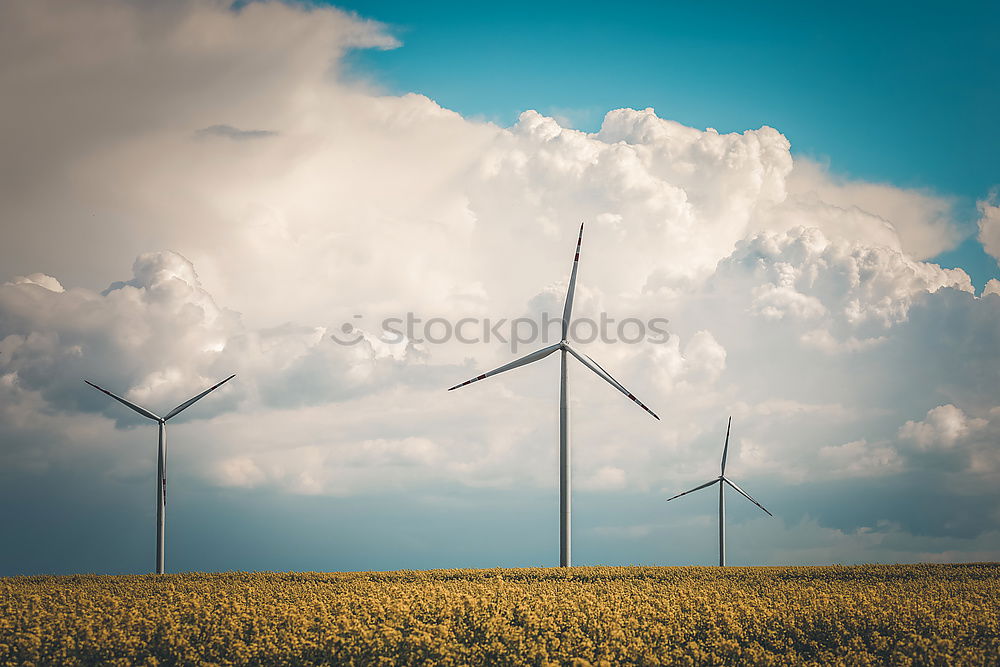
{"x": 263, "y": 198}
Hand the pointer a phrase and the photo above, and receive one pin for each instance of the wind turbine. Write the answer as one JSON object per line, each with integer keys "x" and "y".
{"x": 722, "y": 480}
{"x": 161, "y": 467}
{"x": 564, "y": 443}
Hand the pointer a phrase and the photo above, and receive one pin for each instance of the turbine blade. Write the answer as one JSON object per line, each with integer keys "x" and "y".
{"x": 697, "y": 488}
{"x": 138, "y": 408}
{"x": 596, "y": 367}
{"x": 745, "y": 495}
{"x": 526, "y": 359}
{"x": 188, "y": 403}
{"x": 568, "y": 308}
{"x": 725, "y": 450}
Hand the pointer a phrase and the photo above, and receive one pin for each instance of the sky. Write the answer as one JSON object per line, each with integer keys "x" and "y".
{"x": 194, "y": 189}
{"x": 900, "y": 93}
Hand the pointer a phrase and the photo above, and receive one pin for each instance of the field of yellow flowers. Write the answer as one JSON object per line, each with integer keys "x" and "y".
{"x": 899, "y": 614}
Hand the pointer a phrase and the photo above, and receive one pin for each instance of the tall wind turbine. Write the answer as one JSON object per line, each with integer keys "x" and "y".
{"x": 722, "y": 480}
{"x": 564, "y": 444}
{"x": 161, "y": 467}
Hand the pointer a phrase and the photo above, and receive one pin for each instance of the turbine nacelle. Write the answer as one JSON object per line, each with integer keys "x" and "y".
{"x": 563, "y": 344}
{"x": 161, "y": 465}
{"x": 722, "y": 481}
{"x": 148, "y": 414}
{"x": 565, "y": 350}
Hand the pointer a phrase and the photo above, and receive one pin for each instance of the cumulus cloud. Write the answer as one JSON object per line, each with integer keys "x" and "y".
{"x": 296, "y": 201}
{"x": 40, "y": 279}
{"x": 861, "y": 459}
{"x": 989, "y": 228}
{"x": 160, "y": 337}
{"x": 917, "y": 222}
{"x": 944, "y": 426}
{"x": 957, "y": 442}
{"x": 830, "y": 286}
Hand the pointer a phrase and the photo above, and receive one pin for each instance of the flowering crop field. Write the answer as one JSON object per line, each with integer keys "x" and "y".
{"x": 882, "y": 614}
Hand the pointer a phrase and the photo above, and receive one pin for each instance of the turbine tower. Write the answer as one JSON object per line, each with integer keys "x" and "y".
{"x": 161, "y": 467}
{"x": 563, "y": 346}
{"x": 722, "y": 480}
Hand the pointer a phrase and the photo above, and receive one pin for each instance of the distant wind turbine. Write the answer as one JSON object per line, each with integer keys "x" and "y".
{"x": 161, "y": 468}
{"x": 564, "y": 444}
{"x": 722, "y": 480}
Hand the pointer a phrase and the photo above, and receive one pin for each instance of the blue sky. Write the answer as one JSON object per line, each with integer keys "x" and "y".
{"x": 902, "y": 93}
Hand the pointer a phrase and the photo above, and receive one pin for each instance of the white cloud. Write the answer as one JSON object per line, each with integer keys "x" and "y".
{"x": 861, "y": 459}
{"x": 962, "y": 445}
{"x": 239, "y": 471}
{"x": 989, "y": 228}
{"x": 944, "y": 426}
{"x": 40, "y": 279}
{"x": 916, "y": 222}
{"x": 803, "y": 275}
{"x": 606, "y": 478}
{"x": 699, "y": 365}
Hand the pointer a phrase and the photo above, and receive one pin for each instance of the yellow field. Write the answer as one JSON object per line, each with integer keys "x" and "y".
{"x": 920, "y": 614}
